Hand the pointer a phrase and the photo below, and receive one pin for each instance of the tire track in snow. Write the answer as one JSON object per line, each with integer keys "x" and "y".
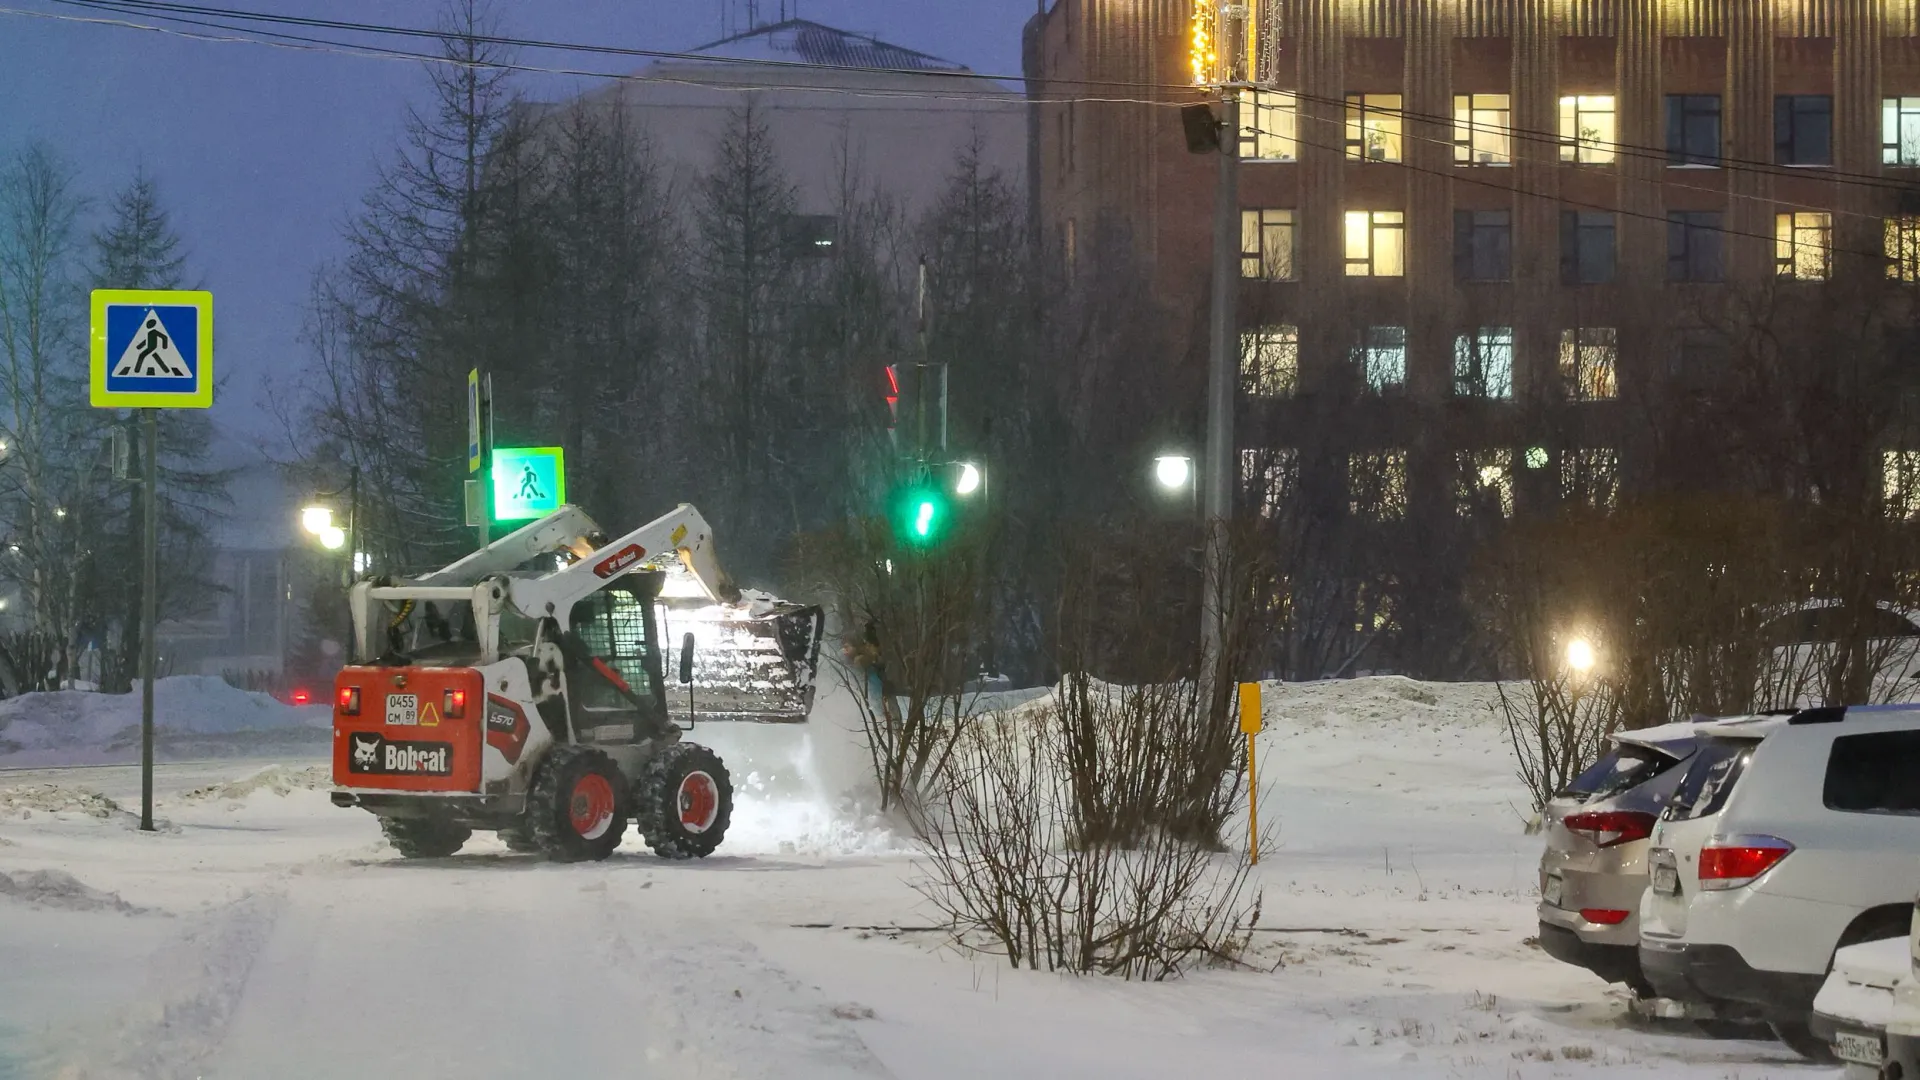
{"x": 191, "y": 989}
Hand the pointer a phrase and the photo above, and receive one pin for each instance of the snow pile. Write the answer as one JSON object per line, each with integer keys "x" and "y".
{"x": 198, "y": 714}
{"x": 277, "y": 779}
{"x": 56, "y": 799}
{"x": 58, "y": 889}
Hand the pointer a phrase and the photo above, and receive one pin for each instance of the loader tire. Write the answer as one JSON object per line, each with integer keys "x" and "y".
{"x": 424, "y": 837}
{"x": 577, "y": 808}
{"x": 684, "y": 802}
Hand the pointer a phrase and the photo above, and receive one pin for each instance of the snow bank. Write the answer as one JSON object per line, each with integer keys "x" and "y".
{"x": 23, "y": 800}
{"x": 198, "y": 714}
{"x": 275, "y": 779}
{"x": 58, "y": 889}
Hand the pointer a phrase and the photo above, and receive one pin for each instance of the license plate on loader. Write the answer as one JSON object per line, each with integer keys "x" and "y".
{"x": 403, "y": 709}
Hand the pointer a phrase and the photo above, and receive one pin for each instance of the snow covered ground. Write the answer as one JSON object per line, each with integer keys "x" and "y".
{"x": 194, "y": 716}
{"x": 265, "y": 933}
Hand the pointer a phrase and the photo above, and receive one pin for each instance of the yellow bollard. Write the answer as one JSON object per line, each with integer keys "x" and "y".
{"x": 1250, "y": 722}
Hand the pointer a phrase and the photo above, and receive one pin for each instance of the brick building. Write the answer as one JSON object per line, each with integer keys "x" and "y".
{"x": 1474, "y": 231}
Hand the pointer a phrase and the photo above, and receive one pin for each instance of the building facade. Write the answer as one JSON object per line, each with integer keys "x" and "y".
{"x": 1480, "y": 239}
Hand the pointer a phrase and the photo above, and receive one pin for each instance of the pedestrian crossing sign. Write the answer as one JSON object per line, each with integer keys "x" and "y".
{"x": 151, "y": 349}
{"x": 528, "y": 483}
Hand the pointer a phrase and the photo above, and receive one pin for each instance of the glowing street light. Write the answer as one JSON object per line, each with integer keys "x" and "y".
{"x": 1580, "y": 656}
{"x": 317, "y": 520}
{"x": 969, "y": 481}
{"x": 1172, "y": 472}
{"x": 333, "y": 538}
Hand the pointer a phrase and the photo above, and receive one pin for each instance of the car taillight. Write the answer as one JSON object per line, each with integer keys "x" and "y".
{"x": 300, "y": 696}
{"x": 1609, "y": 827}
{"x": 453, "y": 703}
{"x": 1733, "y": 862}
{"x": 349, "y": 701}
{"x": 1604, "y": 916}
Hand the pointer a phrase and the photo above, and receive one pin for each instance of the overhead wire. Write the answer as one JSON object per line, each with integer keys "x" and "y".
{"x": 166, "y": 8}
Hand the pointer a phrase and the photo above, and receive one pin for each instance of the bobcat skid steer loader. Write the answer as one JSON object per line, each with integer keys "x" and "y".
{"x": 523, "y": 689}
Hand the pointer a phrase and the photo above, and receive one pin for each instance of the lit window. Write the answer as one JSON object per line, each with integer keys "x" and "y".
{"x": 1377, "y": 485}
{"x": 1900, "y": 483}
{"x": 1693, "y": 245}
{"x": 1382, "y": 358}
{"x": 1590, "y": 475}
{"x": 1900, "y": 131}
{"x": 1485, "y": 482}
{"x": 1268, "y": 126}
{"x": 1482, "y": 245}
{"x": 1269, "y": 477}
{"x": 1266, "y": 244}
{"x": 1482, "y": 129}
{"x": 1270, "y": 361}
{"x": 1376, "y": 243}
{"x": 1586, "y": 129}
{"x": 1903, "y": 247}
{"x": 1587, "y": 356}
{"x": 1483, "y": 363}
{"x": 1586, "y": 247}
{"x": 1693, "y": 129}
{"x": 1373, "y": 127}
{"x": 1803, "y": 245}
{"x": 1803, "y": 129}
{"x": 1536, "y": 457}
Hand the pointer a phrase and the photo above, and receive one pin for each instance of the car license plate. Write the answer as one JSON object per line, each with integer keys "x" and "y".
{"x": 403, "y": 709}
{"x": 1551, "y": 893}
{"x": 1858, "y": 1048}
{"x": 1666, "y": 881}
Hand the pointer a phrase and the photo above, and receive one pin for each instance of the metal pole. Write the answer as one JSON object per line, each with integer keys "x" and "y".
{"x": 1222, "y": 366}
{"x": 486, "y": 457}
{"x": 149, "y": 605}
{"x": 353, "y": 551}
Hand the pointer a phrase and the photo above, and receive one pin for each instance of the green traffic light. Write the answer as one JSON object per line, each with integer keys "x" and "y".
{"x": 923, "y": 519}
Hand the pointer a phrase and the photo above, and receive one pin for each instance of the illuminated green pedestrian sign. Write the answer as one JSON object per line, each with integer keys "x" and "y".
{"x": 528, "y": 483}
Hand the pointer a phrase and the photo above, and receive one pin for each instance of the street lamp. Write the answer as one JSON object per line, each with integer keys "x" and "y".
{"x": 333, "y": 538}
{"x": 1173, "y": 472}
{"x": 317, "y": 519}
{"x": 1580, "y": 655}
{"x": 969, "y": 481}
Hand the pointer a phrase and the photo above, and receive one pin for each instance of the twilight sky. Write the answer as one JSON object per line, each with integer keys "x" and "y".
{"x": 262, "y": 153}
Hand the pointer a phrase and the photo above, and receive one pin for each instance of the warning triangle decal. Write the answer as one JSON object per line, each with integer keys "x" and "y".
{"x": 152, "y": 353}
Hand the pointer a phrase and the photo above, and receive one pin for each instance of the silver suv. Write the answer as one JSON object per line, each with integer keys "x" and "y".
{"x": 1594, "y": 867}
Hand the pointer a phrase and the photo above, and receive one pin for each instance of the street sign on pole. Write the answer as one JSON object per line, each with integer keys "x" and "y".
{"x": 150, "y": 349}
{"x": 528, "y": 483}
{"x": 1252, "y": 719}
{"x": 474, "y": 455}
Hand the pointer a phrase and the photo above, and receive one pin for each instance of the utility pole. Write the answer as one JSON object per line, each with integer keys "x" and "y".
{"x": 149, "y": 607}
{"x": 1216, "y": 465}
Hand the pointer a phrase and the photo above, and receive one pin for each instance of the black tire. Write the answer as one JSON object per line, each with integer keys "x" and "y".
{"x": 683, "y": 802}
{"x": 578, "y": 806}
{"x": 1801, "y": 1040}
{"x": 519, "y": 838}
{"x": 424, "y": 837}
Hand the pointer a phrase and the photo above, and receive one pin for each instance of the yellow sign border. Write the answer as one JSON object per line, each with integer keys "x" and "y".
{"x": 100, "y": 397}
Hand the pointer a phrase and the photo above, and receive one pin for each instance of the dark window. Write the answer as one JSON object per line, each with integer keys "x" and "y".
{"x": 1716, "y": 767}
{"x": 1875, "y": 773}
{"x": 1482, "y": 245}
{"x": 1586, "y": 247}
{"x": 1693, "y": 245}
{"x": 614, "y": 628}
{"x": 1621, "y": 769}
{"x": 1803, "y": 129}
{"x": 1693, "y": 129}
{"x": 813, "y": 234}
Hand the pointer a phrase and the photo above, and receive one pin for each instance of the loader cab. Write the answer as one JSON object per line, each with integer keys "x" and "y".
{"x": 616, "y": 683}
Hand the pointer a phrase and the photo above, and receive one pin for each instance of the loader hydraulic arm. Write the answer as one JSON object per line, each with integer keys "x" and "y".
{"x": 682, "y": 532}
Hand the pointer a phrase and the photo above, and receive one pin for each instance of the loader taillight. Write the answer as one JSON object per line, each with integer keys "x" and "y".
{"x": 453, "y": 703}
{"x": 349, "y": 701}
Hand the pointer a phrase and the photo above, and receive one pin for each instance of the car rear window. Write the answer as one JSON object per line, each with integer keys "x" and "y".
{"x": 1874, "y": 773}
{"x": 1715, "y": 768}
{"x": 1622, "y": 768}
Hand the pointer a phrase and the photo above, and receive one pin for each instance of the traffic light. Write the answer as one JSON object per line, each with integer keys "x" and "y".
{"x": 923, "y": 511}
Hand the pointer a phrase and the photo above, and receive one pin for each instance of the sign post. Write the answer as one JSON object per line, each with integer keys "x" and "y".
{"x": 1251, "y": 723}
{"x": 150, "y": 350}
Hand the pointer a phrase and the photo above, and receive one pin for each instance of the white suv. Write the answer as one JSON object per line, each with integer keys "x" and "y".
{"x": 1788, "y": 838}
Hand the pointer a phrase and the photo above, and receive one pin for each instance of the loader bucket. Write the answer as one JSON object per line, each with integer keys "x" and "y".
{"x": 756, "y": 662}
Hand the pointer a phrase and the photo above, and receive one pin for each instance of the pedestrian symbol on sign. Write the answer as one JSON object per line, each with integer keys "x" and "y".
{"x": 529, "y": 485}
{"x": 151, "y": 353}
